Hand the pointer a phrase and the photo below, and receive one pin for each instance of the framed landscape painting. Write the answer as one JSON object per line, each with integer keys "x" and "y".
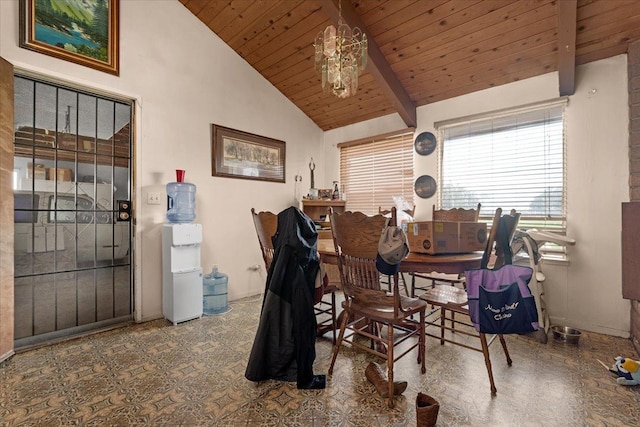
{"x": 80, "y": 31}
{"x": 238, "y": 154}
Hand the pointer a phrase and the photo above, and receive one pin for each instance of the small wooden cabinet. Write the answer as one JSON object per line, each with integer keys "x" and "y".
{"x": 318, "y": 211}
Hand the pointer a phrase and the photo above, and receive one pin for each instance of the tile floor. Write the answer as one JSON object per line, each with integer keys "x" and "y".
{"x": 192, "y": 374}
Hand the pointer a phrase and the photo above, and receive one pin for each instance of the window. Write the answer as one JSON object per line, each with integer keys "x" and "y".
{"x": 375, "y": 169}
{"x": 512, "y": 160}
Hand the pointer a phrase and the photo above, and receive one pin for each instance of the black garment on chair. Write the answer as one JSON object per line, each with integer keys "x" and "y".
{"x": 284, "y": 346}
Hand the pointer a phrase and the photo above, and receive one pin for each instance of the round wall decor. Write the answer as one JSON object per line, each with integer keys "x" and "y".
{"x": 425, "y": 143}
{"x": 425, "y": 186}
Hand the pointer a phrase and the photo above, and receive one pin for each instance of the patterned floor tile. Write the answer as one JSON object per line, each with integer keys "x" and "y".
{"x": 192, "y": 374}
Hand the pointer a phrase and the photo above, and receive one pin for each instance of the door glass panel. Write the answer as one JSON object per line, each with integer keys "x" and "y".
{"x": 122, "y": 135}
{"x": 106, "y": 124}
{"x": 122, "y": 290}
{"x": 87, "y": 123}
{"x": 104, "y": 178}
{"x": 104, "y": 289}
{"x": 66, "y": 300}
{"x": 45, "y": 124}
{"x": 72, "y": 257}
{"x": 44, "y": 306}
{"x": 67, "y": 120}
{"x": 23, "y": 305}
{"x": 86, "y": 285}
{"x": 23, "y": 111}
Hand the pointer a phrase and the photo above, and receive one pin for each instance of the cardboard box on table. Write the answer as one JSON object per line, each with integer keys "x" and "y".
{"x": 445, "y": 237}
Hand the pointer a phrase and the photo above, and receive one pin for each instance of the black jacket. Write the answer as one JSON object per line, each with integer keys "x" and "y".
{"x": 284, "y": 346}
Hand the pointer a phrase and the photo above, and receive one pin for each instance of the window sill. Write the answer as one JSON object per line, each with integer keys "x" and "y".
{"x": 555, "y": 259}
{"x": 548, "y": 258}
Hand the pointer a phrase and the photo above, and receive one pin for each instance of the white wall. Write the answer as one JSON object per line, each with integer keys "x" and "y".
{"x": 586, "y": 293}
{"x": 183, "y": 78}
{"x": 598, "y": 174}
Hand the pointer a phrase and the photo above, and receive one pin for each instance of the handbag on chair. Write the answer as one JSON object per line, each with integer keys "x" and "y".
{"x": 500, "y": 301}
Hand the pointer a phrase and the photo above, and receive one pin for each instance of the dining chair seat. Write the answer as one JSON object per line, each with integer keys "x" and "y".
{"x": 381, "y": 312}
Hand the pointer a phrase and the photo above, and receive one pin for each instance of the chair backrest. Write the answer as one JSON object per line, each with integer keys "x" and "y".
{"x": 411, "y": 212}
{"x": 356, "y": 237}
{"x": 504, "y": 224}
{"x": 266, "y": 224}
{"x": 456, "y": 214}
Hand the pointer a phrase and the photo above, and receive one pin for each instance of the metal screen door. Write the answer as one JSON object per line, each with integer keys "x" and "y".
{"x": 72, "y": 166}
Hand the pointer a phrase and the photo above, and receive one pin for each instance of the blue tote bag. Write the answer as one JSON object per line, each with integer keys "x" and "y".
{"x": 500, "y": 301}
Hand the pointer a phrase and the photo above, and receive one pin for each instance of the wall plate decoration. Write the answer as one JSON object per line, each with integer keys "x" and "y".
{"x": 425, "y": 186}
{"x": 425, "y": 143}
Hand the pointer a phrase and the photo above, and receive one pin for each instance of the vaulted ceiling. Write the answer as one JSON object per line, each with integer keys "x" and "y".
{"x": 420, "y": 51}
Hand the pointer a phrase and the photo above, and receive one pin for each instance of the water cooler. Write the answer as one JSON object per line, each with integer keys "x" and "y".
{"x": 181, "y": 270}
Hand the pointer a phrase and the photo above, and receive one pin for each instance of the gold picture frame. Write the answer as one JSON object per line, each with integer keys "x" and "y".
{"x": 83, "y": 33}
{"x": 238, "y": 154}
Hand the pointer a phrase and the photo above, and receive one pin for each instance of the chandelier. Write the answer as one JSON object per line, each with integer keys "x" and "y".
{"x": 340, "y": 55}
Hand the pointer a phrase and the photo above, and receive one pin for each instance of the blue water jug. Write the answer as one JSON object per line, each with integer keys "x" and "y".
{"x": 214, "y": 292}
{"x": 181, "y": 202}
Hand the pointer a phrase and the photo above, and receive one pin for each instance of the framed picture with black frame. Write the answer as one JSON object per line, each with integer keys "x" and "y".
{"x": 239, "y": 154}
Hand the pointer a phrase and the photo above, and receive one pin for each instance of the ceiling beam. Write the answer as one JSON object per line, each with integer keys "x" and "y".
{"x": 567, "y": 17}
{"x": 377, "y": 65}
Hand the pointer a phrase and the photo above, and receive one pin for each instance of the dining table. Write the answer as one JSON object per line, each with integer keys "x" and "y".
{"x": 415, "y": 262}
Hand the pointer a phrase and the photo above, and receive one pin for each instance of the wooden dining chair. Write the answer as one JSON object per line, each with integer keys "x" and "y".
{"x": 457, "y": 215}
{"x": 388, "y": 213}
{"x": 451, "y": 300}
{"x": 367, "y": 307}
{"x": 266, "y": 224}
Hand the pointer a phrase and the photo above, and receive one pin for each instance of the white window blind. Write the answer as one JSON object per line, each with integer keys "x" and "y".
{"x": 373, "y": 171}
{"x": 512, "y": 160}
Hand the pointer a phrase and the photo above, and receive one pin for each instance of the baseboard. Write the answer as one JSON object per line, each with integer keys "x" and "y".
{"x": 6, "y": 355}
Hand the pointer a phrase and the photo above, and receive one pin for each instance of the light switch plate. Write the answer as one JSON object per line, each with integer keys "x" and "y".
{"x": 153, "y": 198}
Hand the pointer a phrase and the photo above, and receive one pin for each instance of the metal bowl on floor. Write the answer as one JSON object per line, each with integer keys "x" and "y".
{"x": 566, "y": 334}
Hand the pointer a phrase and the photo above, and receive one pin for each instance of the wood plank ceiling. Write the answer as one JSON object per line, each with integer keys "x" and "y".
{"x": 420, "y": 51}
